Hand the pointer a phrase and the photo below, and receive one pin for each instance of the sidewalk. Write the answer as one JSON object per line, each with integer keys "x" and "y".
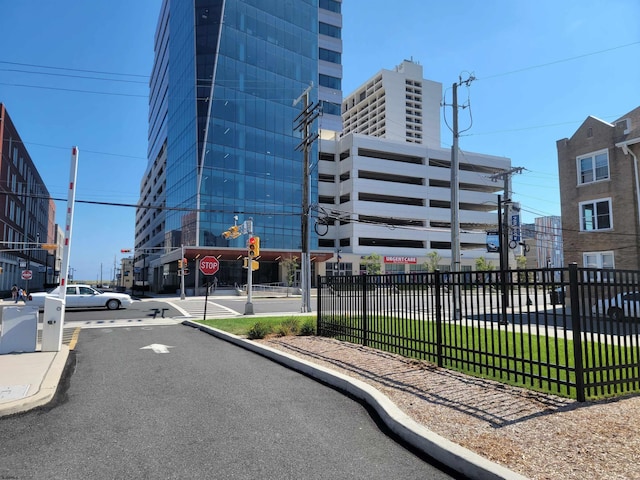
{"x": 30, "y": 380}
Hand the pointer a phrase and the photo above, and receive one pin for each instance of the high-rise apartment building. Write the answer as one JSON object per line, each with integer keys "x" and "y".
{"x": 222, "y": 147}
{"x": 397, "y": 105}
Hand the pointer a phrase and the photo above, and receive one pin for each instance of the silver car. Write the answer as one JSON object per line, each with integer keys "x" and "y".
{"x": 83, "y": 296}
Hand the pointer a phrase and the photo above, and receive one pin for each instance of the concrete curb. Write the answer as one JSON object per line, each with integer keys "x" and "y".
{"x": 47, "y": 390}
{"x": 424, "y": 440}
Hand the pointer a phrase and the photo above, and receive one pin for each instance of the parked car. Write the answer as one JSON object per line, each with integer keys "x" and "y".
{"x": 623, "y": 305}
{"x": 83, "y": 296}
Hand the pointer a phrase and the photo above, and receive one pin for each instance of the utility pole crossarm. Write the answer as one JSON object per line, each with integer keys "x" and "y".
{"x": 502, "y": 175}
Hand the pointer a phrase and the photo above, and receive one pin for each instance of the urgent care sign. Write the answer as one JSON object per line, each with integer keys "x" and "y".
{"x": 400, "y": 260}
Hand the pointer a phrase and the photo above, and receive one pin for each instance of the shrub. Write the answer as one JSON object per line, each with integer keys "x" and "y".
{"x": 308, "y": 327}
{"x": 258, "y": 331}
{"x": 291, "y": 326}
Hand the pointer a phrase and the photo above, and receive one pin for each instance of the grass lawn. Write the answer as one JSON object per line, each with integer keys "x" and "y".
{"x": 242, "y": 325}
{"x": 538, "y": 362}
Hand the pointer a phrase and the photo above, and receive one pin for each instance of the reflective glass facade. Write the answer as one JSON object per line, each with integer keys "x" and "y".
{"x": 231, "y": 148}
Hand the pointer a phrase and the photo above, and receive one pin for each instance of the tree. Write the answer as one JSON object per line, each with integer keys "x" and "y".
{"x": 521, "y": 261}
{"x": 432, "y": 262}
{"x": 372, "y": 264}
{"x": 482, "y": 265}
{"x": 290, "y": 266}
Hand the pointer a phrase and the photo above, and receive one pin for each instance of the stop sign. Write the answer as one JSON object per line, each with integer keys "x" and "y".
{"x": 28, "y": 274}
{"x": 209, "y": 265}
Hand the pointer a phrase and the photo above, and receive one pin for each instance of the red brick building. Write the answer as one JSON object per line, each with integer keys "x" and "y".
{"x": 27, "y": 214}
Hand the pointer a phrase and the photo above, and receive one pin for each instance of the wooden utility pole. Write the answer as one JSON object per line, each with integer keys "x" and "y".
{"x": 305, "y": 119}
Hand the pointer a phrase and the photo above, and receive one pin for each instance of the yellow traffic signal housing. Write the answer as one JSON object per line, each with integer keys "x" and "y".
{"x": 233, "y": 232}
{"x": 51, "y": 247}
{"x": 180, "y": 264}
{"x": 254, "y": 246}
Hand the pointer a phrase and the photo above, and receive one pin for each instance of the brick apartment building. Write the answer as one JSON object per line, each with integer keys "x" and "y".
{"x": 600, "y": 194}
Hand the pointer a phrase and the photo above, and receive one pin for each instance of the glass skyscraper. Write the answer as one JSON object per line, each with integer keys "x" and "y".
{"x": 221, "y": 138}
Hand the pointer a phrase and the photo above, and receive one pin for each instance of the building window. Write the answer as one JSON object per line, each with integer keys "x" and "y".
{"x": 326, "y": 243}
{"x": 394, "y": 268}
{"x": 593, "y": 167}
{"x": 331, "y": 5}
{"x": 330, "y": 82}
{"x": 330, "y": 56}
{"x": 595, "y": 215}
{"x": 598, "y": 260}
{"x": 330, "y": 108}
{"x": 342, "y": 268}
{"x": 329, "y": 30}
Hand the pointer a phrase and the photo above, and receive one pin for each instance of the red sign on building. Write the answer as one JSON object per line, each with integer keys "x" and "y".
{"x": 400, "y": 260}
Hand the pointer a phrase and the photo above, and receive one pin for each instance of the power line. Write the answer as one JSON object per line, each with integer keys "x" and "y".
{"x": 59, "y": 147}
{"x": 555, "y": 62}
{"x": 73, "y": 76}
{"x": 73, "y": 69}
{"x": 73, "y": 90}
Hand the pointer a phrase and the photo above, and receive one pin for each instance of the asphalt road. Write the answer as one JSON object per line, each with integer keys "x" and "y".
{"x": 205, "y": 409}
{"x": 151, "y": 309}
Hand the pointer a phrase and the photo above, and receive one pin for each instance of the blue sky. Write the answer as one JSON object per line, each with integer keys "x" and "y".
{"x": 541, "y": 66}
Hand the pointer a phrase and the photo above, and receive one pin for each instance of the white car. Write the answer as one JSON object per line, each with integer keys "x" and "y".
{"x": 623, "y": 305}
{"x": 83, "y": 296}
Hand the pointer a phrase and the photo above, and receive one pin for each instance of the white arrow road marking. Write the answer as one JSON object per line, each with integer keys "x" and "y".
{"x": 157, "y": 348}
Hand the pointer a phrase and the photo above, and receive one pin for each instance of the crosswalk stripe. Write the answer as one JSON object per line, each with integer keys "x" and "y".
{"x": 196, "y": 309}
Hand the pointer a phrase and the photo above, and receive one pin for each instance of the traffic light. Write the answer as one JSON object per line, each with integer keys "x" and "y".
{"x": 254, "y": 246}
{"x": 180, "y": 264}
{"x": 233, "y": 232}
{"x": 255, "y": 265}
{"x": 50, "y": 247}
{"x": 184, "y": 263}
{"x": 122, "y": 250}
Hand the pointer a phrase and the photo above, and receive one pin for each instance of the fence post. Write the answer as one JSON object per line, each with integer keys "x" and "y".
{"x": 319, "y": 307}
{"x": 365, "y": 325}
{"x": 438, "y": 288}
{"x": 576, "y": 327}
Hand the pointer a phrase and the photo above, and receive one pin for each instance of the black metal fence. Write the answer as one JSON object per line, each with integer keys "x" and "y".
{"x": 572, "y": 331}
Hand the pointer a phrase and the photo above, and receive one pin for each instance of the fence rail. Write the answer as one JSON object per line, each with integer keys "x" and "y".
{"x": 572, "y": 331}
